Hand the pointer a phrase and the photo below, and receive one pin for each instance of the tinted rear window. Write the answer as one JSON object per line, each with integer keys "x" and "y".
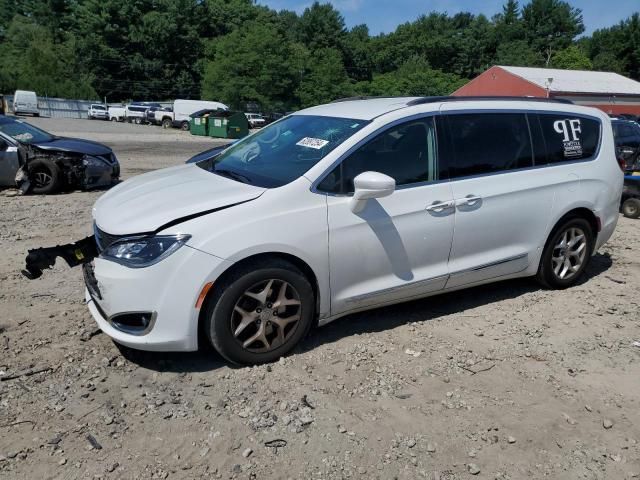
{"x": 569, "y": 137}
{"x": 489, "y": 142}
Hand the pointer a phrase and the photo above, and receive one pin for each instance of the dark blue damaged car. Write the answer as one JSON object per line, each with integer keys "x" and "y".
{"x": 36, "y": 161}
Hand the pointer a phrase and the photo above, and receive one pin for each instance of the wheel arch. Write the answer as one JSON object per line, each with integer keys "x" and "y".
{"x": 576, "y": 212}
{"x": 298, "y": 262}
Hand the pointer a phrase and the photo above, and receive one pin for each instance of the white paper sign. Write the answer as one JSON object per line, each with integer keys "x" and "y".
{"x": 315, "y": 143}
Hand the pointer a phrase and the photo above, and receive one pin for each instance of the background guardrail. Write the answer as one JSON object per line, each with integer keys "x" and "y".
{"x": 64, "y": 107}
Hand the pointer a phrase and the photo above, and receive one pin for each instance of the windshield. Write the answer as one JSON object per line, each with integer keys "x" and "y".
{"x": 98, "y": 107}
{"x": 283, "y": 151}
{"x": 24, "y": 132}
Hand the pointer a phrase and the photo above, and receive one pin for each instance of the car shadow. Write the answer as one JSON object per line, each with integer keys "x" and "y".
{"x": 370, "y": 321}
{"x": 431, "y": 308}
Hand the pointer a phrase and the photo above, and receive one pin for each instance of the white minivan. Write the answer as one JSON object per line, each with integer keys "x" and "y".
{"x": 349, "y": 206}
{"x": 25, "y": 101}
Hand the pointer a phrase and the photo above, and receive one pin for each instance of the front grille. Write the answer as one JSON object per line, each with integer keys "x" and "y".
{"x": 103, "y": 239}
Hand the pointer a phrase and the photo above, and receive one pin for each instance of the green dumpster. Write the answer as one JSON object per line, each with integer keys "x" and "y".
{"x": 198, "y": 125}
{"x": 228, "y": 124}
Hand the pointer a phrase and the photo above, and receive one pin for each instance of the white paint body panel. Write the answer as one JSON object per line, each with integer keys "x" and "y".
{"x": 392, "y": 250}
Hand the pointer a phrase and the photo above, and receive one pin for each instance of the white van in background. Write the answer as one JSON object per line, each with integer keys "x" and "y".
{"x": 25, "y": 101}
{"x": 179, "y": 118}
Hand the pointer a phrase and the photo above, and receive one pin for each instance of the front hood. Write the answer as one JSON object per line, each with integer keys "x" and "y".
{"x": 77, "y": 145}
{"x": 147, "y": 202}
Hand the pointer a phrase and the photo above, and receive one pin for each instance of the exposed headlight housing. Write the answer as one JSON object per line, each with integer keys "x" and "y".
{"x": 140, "y": 252}
{"x": 91, "y": 161}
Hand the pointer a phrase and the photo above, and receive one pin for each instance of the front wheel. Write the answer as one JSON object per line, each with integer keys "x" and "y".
{"x": 260, "y": 313}
{"x": 45, "y": 176}
{"x": 566, "y": 254}
{"x": 631, "y": 208}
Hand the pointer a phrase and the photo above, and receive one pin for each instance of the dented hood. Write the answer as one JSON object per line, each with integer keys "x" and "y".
{"x": 73, "y": 145}
{"x": 147, "y": 202}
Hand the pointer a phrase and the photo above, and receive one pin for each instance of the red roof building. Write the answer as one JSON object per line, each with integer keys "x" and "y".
{"x": 610, "y": 92}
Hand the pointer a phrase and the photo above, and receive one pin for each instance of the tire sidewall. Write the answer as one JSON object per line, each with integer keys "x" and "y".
{"x": 54, "y": 172}
{"x": 546, "y": 273}
{"x": 634, "y": 203}
{"x": 219, "y": 311}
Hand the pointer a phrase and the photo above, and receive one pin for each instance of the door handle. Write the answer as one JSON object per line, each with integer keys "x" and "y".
{"x": 439, "y": 207}
{"x": 470, "y": 200}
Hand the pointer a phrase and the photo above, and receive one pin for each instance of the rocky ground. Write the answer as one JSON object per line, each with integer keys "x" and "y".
{"x": 500, "y": 382}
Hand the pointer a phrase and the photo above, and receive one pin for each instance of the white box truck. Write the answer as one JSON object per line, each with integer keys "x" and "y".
{"x": 179, "y": 118}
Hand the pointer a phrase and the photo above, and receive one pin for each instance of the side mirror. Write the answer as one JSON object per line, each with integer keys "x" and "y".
{"x": 3, "y": 145}
{"x": 370, "y": 185}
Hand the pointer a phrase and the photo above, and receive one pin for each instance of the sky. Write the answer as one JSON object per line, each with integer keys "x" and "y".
{"x": 382, "y": 16}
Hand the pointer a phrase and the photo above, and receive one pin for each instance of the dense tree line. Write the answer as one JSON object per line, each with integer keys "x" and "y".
{"x": 238, "y": 52}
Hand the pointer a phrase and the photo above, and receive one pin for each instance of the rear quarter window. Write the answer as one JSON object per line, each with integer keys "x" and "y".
{"x": 568, "y": 137}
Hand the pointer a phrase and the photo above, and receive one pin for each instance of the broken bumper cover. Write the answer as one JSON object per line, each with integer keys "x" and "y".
{"x": 160, "y": 298}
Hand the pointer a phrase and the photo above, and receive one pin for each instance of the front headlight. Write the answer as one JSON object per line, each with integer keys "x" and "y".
{"x": 144, "y": 251}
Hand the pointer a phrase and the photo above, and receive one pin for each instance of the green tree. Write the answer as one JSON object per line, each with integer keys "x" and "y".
{"x": 325, "y": 78}
{"x": 414, "y": 78}
{"x": 254, "y": 63}
{"x": 571, "y": 58}
{"x": 357, "y": 51}
{"x": 617, "y": 48}
{"x": 518, "y": 53}
{"x": 32, "y": 60}
{"x": 551, "y": 25}
{"x": 321, "y": 26}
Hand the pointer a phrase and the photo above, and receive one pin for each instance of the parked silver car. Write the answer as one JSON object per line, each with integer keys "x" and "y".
{"x": 37, "y": 161}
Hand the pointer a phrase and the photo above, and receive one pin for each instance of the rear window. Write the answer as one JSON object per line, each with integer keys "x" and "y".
{"x": 568, "y": 137}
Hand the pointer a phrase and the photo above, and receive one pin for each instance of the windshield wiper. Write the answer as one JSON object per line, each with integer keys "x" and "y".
{"x": 231, "y": 174}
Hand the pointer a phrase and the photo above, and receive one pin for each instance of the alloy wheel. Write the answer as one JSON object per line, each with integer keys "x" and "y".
{"x": 569, "y": 253}
{"x": 42, "y": 179}
{"x": 266, "y": 315}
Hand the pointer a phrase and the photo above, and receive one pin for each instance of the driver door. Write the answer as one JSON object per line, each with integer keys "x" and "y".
{"x": 397, "y": 247}
{"x": 9, "y": 163}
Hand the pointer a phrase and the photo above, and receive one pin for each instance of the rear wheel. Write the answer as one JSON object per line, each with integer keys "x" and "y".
{"x": 45, "y": 176}
{"x": 167, "y": 123}
{"x": 566, "y": 254}
{"x": 185, "y": 126}
{"x": 631, "y": 208}
{"x": 260, "y": 313}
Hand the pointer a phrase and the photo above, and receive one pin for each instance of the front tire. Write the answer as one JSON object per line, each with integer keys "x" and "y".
{"x": 45, "y": 176}
{"x": 566, "y": 254}
{"x": 631, "y": 208}
{"x": 260, "y": 312}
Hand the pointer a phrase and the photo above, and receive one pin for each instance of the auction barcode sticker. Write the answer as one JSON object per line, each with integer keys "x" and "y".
{"x": 309, "y": 142}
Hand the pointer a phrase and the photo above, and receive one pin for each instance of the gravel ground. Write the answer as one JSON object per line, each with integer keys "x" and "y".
{"x": 500, "y": 382}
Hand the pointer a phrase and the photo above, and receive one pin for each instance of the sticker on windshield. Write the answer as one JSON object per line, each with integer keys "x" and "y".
{"x": 315, "y": 143}
{"x": 569, "y": 129}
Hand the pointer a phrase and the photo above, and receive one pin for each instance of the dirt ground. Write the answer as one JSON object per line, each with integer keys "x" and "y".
{"x": 506, "y": 381}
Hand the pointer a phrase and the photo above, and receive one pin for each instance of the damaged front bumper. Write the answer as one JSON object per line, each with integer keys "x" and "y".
{"x": 78, "y": 253}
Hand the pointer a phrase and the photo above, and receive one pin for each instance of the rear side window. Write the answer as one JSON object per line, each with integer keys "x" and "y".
{"x": 489, "y": 142}
{"x": 568, "y": 137}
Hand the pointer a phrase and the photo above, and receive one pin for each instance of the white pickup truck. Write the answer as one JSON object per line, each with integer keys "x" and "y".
{"x": 179, "y": 117}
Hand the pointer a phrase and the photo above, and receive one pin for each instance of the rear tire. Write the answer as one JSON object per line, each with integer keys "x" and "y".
{"x": 566, "y": 254}
{"x": 45, "y": 176}
{"x": 185, "y": 126}
{"x": 167, "y": 123}
{"x": 270, "y": 301}
{"x": 631, "y": 208}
